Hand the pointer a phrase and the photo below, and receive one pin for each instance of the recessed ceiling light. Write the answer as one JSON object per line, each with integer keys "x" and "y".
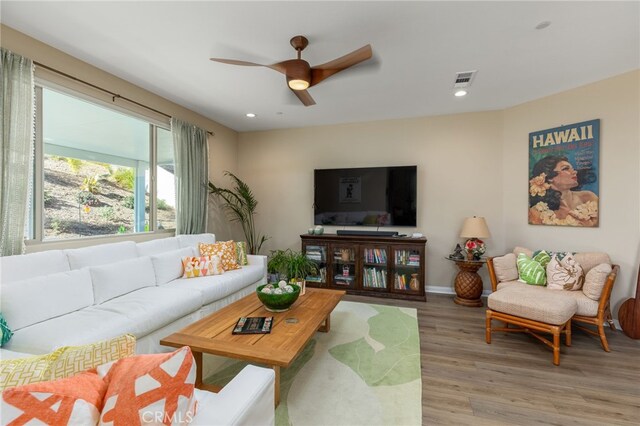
{"x": 460, "y": 93}
{"x": 251, "y": 115}
{"x": 542, "y": 25}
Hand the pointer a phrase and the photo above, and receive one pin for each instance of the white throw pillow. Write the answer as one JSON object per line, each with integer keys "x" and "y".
{"x": 38, "y": 299}
{"x": 168, "y": 266}
{"x": 595, "y": 280}
{"x": 565, "y": 274}
{"x": 505, "y": 267}
{"x": 120, "y": 278}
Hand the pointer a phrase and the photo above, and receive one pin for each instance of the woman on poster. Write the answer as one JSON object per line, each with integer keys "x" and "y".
{"x": 555, "y": 198}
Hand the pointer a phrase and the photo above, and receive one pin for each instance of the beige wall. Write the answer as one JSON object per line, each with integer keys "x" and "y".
{"x": 616, "y": 102}
{"x": 223, "y": 153}
{"x": 459, "y": 175}
{"x": 467, "y": 164}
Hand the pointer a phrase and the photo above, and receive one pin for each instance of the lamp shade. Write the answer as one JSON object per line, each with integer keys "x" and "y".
{"x": 475, "y": 227}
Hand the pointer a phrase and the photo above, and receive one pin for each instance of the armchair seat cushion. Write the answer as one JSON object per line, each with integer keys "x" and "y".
{"x": 535, "y": 303}
{"x": 586, "y": 307}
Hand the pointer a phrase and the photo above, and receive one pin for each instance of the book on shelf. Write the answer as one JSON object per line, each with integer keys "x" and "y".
{"x": 253, "y": 325}
{"x": 375, "y": 278}
{"x": 375, "y": 256}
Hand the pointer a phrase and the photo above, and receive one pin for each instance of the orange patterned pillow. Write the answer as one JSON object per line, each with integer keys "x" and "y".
{"x": 146, "y": 389}
{"x": 194, "y": 266}
{"x": 75, "y": 400}
{"x": 226, "y": 250}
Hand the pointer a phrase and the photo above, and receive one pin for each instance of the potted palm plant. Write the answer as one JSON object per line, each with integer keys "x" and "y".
{"x": 241, "y": 205}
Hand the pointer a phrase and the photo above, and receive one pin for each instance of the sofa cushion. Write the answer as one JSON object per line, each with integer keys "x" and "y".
{"x": 158, "y": 246}
{"x": 536, "y": 303}
{"x": 564, "y": 274}
{"x": 116, "y": 279}
{"x": 585, "y": 306}
{"x": 168, "y": 265}
{"x": 506, "y": 284}
{"x": 72, "y": 401}
{"x": 530, "y": 271}
{"x": 195, "y": 239}
{"x": 24, "y": 266}
{"x": 595, "y": 280}
{"x": 38, "y": 299}
{"x": 151, "y": 308}
{"x": 87, "y": 325}
{"x": 101, "y": 254}
{"x": 505, "y": 267}
{"x": 216, "y": 287}
{"x": 590, "y": 259}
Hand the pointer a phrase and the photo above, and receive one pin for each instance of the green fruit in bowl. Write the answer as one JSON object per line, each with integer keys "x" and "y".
{"x": 277, "y": 297}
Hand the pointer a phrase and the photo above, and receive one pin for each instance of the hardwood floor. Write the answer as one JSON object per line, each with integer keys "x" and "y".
{"x": 512, "y": 380}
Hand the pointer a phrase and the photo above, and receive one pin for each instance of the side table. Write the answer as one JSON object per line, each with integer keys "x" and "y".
{"x": 468, "y": 284}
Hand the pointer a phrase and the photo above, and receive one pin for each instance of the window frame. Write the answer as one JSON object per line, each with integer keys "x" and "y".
{"x": 36, "y": 210}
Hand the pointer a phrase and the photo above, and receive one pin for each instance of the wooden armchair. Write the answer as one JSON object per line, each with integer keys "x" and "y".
{"x": 604, "y": 310}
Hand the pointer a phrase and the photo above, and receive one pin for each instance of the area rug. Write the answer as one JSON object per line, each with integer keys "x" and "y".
{"x": 365, "y": 371}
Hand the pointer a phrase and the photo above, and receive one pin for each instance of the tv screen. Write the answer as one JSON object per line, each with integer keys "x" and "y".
{"x": 370, "y": 196}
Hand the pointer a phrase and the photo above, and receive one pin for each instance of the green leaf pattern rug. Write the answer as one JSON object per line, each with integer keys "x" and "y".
{"x": 365, "y": 371}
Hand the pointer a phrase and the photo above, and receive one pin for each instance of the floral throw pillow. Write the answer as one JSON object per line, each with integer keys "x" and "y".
{"x": 226, "y": 250}
{"x": 201, "y": 266}
{"x": 241, "y": 250}
{"x": 530, "y": 271}
{"x": 564, "y": 274}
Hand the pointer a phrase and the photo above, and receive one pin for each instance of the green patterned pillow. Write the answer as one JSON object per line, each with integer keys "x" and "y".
{"x": 530, "y": 271}
{"x": 5, "y": 332}
{"x": 543, "y": 257}
{"x": 241, "y": 251}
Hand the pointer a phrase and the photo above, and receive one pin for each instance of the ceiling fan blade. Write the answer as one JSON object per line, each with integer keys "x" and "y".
{"x": 280, "y": 66}
{"x": 321, "y": 72}
{"x": 304, "y": 97}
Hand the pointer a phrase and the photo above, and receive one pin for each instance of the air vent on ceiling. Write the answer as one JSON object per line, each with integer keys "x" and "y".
{"x": 464, "y": 79}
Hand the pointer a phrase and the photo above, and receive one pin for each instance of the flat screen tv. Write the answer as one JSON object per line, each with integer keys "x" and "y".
{"x": 369, "y": 196}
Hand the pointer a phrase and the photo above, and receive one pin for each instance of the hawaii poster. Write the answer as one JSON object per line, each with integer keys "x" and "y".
{"x": 564, "y": 175}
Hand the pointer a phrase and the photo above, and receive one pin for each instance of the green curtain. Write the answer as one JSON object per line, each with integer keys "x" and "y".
{"x": 16, "y": 156}
{"x": 192, "y": 176}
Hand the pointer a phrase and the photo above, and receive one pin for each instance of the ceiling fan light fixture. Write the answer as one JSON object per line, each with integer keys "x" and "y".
{"x": 298, "y": 84}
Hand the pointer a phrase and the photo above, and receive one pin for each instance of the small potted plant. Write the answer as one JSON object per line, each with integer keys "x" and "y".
{"x": 294, "y": 266}
{"x": 277, "y": 265}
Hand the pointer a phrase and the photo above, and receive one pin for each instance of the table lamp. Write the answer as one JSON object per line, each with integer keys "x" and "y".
{"x": 473, "y": 229}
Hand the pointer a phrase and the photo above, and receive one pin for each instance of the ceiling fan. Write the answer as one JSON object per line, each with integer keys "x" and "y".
{"x": 300, "y": 76}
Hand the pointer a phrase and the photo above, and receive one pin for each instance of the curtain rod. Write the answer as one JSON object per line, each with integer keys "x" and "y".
{"x": 114, "y": 95}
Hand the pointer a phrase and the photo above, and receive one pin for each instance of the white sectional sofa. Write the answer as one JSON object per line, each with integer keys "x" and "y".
{"x": 78, "y": 296}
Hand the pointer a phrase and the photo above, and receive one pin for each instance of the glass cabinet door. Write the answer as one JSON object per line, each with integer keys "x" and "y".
{"x": 344, "y": 266}
{"x": 375, "y": 270}
{"x": 408, "y": 274}
{"x": 318, "y": 255}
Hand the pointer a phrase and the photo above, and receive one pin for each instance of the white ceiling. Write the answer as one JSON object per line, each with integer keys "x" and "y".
{"x": 417, "y": 49}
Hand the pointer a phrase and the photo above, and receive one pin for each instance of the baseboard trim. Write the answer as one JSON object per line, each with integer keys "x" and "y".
{"x": 448, "y": 290}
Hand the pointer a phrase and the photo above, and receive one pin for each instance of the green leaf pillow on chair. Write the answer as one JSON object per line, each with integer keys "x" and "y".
{"x": 530, "y": 271}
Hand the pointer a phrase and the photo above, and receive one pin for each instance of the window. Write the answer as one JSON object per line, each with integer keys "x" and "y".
{"x": 100, "y": 170}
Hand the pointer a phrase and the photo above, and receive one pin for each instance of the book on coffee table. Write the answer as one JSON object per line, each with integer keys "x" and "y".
{"x": 253, "y": 325}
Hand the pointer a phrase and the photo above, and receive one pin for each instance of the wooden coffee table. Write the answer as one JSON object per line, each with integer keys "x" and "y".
{"x": 290, "y": 332}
